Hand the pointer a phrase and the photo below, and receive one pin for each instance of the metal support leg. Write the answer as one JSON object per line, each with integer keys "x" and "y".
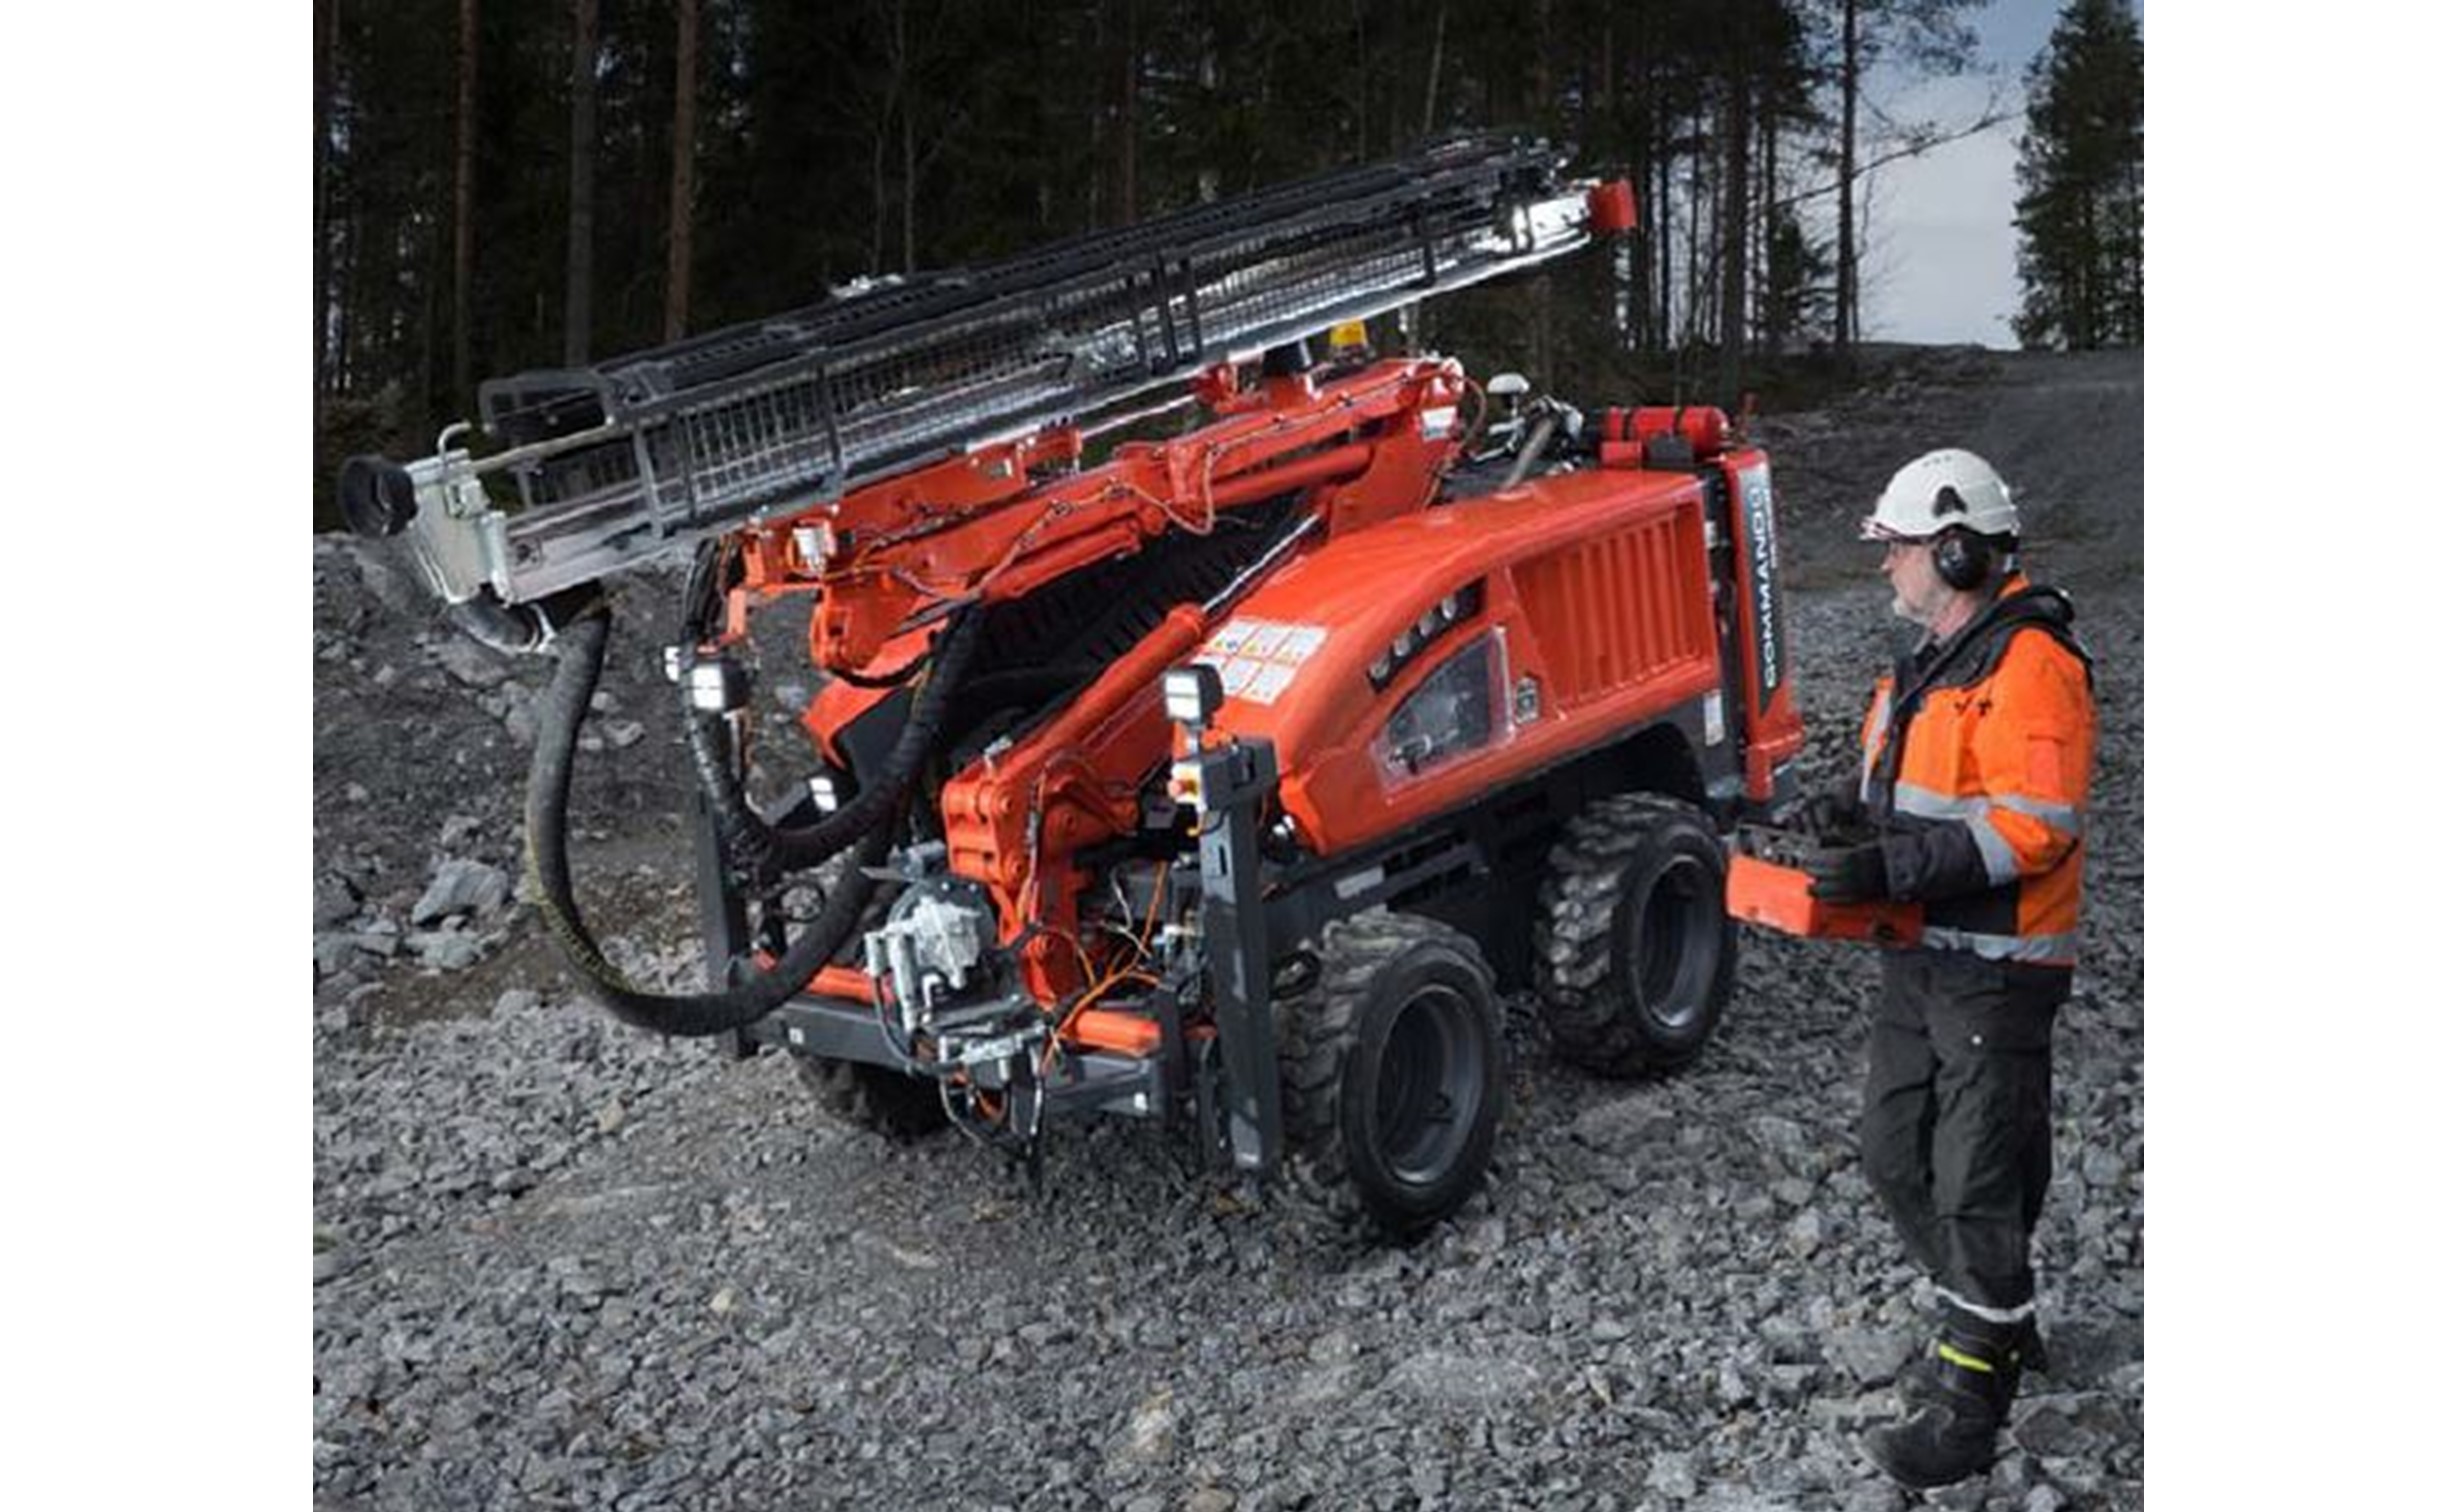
{"x": 1235, "y": 780}
{"x": 725, "y": 931}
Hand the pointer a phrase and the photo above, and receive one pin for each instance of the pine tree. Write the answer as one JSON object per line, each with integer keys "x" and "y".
{"x": 464, "y": 192}
{"x": 1798, "y": 286}
{"x": 580, "y": 244}
{"x": 2080, "y": 212}
{"x": 685, "y": 152}
{"x": 1927, "y": 36}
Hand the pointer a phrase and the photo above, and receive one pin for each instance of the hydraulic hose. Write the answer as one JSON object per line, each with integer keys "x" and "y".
{"x": 741, "y": 838}
{"x": 561, "y": 713}
{"x": 762, "y": 850}
{"x": 515, "y": 629}
{"x": 496, "y": 627}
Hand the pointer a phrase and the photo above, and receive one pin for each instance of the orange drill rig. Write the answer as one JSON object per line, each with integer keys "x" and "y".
{"x": 1223, "y": 779}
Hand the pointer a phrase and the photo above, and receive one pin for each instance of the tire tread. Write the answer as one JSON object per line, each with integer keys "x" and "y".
{"x": 1317, "y": 1024}
{"x": 1576, "y": 907}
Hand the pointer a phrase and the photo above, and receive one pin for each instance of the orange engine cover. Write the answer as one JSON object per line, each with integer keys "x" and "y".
{"x": 1588, "y": 590}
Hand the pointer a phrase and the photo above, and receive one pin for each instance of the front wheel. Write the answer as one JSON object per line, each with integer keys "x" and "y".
{"x": 1391, "y": 1059}
{"x": 1634, "y": 947}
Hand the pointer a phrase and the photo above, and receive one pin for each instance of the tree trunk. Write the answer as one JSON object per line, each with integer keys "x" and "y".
{"x": 1605, "y": 94}
{"x": 906, "y": 89}
{"x": 1692, "y": 295}
{"x": 1628, "y": 254}
{"x": 1769, "y": 150}
{"x": 1663, "y": 240}
{"x": 878, "y": 199}
{"x": 1047, "y": 171}
{"x": 880, "y": 131}
{"x": 464, "y": 197}
{"x": 686, "y": 152}
{"x": 1543, "y": 322}
{"x": 343, "y": 293}
{"x": 2093, "y": 299}
{"x": 421, "y": 397}
{"x": 1093, "y": 177}
{"x": 1735, "y": 254}
{"x": 1846, "y": 234}
{"x": 328, "y": 60}
{"x": 578, "y": 297}
{"x": 1364, "y": 74}
{"x": 1433, "y": 72}
{"x": 1130, "y": 119}
{"x": 1207, "y": 80}
{"x": 909, "y": 175}
{"x": 1641, "y": 241}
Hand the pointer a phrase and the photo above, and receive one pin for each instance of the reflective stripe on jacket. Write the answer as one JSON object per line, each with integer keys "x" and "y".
{"x": 1975, "y": 761}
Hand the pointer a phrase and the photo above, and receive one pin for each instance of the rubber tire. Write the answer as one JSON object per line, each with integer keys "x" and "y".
{"x": 1383, "y": 980}
{"x": 1605, "y": 1005}
{"x": 904, "y": 1108}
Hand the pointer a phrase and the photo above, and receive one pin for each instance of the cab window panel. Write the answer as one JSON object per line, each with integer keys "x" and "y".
{"x": 1451, "y": 713}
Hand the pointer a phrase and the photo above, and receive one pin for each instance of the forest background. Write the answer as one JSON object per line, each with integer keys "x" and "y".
{"x": 501, "y": 188}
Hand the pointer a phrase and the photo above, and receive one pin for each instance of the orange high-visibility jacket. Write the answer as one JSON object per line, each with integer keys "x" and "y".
{"x": 1975, "y": 762}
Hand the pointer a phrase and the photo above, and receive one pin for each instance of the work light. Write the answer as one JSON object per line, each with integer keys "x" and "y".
{"x": 718, "y": 686}
{"x": 814, "y": 544}
{"x": 1191, "y": 694}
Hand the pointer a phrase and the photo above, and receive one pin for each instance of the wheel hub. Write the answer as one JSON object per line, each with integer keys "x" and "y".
{"x": 1671, "y": 934}
{"x": 1430, "y": 1076}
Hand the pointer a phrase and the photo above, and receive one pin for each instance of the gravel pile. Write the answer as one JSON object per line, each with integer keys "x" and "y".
{"x": 563, "y": 1264}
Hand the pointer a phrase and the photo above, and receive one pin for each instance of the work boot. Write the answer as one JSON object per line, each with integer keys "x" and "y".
{"x": 1950, "y": 1433}
{"x": 1920, "y": 1383}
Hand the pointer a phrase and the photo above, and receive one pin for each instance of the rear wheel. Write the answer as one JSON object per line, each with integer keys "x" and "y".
{"x": 1634, "y": 948}
{"x": 873, "y": 1097}
{"x": 1391, "y": 1063}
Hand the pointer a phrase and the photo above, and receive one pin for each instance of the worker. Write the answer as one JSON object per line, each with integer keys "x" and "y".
{"x": 1974, "y": 765}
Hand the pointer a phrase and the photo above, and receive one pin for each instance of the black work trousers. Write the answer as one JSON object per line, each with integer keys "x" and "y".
{"x": 1956, "y": 1133}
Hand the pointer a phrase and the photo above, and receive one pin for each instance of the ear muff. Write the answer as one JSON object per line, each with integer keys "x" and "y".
{"x": 1963, "y": 560}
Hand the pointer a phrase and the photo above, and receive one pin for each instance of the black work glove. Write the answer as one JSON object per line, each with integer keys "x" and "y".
{"x": 1846, "y": 874}
{"x": 1835, "y": 815}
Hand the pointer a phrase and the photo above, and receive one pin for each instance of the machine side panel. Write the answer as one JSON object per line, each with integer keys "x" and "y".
{"x": 1578, "y": 612}
{"x": 1770, "y": 716}
{"x": 1618, "y": 609}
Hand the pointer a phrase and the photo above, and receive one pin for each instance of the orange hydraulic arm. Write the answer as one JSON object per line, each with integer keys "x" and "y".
{"x": 992, "y": 525}
{"x": 1003, "y": 521}
{"x": 1016, "y": 824}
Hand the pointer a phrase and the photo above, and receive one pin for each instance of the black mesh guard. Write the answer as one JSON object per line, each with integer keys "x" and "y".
{"x": 709, "y": 431}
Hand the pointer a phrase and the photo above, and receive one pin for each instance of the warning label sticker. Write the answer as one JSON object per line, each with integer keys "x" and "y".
{"x": 1258, "y": 659}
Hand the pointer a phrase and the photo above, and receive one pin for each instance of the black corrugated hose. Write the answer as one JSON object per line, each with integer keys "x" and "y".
{"x": 561, "y": 712}
{"x": 761, "y": 851}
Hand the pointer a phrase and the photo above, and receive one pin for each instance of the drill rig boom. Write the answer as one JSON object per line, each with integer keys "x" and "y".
{"x": 643, "y": 457}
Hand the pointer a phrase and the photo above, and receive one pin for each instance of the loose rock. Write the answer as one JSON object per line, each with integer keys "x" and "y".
{"x": 1676, "y": 1292}
{"x": 462, "y": 886}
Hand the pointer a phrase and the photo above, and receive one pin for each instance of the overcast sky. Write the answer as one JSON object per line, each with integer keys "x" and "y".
{"x": 1940, "y": 261}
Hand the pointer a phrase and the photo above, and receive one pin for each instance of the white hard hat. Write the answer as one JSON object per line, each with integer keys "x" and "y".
{"x": 1944, "y": 488}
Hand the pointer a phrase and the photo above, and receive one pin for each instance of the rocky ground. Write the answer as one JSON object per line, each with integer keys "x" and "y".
{"x": 562, "y": 1264}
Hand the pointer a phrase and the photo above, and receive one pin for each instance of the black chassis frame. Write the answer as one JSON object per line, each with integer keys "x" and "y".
{"x": 1472, "y": 867}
